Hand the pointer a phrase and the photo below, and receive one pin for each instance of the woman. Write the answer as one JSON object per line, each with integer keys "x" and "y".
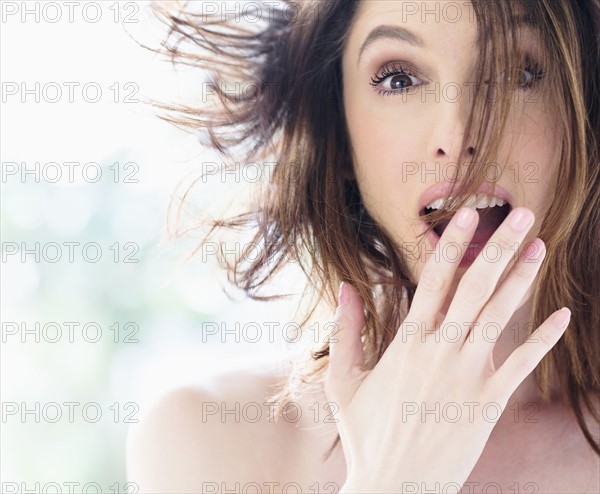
{"x": 448, "y": 172}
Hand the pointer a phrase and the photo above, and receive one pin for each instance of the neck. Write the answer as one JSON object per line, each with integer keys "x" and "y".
{"x": 513, "y": 336}
{"x": 526, "y": 395}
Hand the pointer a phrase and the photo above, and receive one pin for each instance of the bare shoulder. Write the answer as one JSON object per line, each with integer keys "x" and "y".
{"x": 196, "y": 438}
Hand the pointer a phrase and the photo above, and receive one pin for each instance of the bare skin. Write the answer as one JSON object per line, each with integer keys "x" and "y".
{"x": 211, "y": 439}
{"x": 533, "y": 448}
{"x": 172, "y": 450}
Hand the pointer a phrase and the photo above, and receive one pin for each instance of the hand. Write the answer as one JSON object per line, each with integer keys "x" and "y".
{"x": 390, "y": 431}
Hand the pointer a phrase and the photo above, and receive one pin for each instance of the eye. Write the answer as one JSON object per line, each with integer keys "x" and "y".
{"x": 524, "y": 78}
{"x": 395, "y": 79}
{"x": 527, "y": 77}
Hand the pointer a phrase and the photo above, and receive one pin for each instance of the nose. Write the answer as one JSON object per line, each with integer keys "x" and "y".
{"x": 449, "y": 134}
{"x": 453, "y": 155}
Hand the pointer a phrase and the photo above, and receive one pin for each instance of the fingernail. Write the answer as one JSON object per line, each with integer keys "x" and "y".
{"x": 464, "y": 218}
{"x": 342, "y": 294}
{"x": 563, "y": 317}
{"x": 520, "y": 220}
{"x": 534, "y": 251}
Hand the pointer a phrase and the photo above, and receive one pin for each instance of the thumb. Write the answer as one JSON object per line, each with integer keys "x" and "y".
{"x": 346, "y": 354}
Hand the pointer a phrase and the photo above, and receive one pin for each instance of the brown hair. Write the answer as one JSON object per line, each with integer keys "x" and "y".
{"x": 311, "y": 211}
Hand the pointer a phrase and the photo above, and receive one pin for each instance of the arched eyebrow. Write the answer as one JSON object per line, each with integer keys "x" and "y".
{"x": 397, "y": 33}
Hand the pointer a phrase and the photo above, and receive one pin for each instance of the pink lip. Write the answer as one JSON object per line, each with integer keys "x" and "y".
{"x": 442, "y": 189}
{"x": 433, "y": 239}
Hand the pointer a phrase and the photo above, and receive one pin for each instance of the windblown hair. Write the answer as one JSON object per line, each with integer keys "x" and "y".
{"x": 291, "y": 108}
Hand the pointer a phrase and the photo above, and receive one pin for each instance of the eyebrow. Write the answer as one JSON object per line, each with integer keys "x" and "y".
{"x": 398, "y": 33}
{"x": 391, "y": 32}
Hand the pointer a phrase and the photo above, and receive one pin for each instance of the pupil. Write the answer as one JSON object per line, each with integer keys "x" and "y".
{"x": 400, "y": 81}
{"x": 521, "y": 76}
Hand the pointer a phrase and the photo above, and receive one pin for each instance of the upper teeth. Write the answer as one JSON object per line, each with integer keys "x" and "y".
{"x": 478, "y": 201}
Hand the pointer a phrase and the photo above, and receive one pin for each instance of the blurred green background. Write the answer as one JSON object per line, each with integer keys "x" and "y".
{"x": 157, "y": 307}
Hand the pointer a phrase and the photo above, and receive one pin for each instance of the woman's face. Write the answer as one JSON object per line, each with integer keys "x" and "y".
{"x": 406, "y": 142}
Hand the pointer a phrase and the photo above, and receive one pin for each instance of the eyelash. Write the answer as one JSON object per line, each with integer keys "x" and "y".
{"x": 390, "y": 70}
{"x": 396, "y": 68}
{"x": 537, "y": 73}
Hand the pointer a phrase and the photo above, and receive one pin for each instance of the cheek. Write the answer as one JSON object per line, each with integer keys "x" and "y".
{"x": 534, "y": 161}
{"x": 380, "y": 158}
{"x": 386, "y": 184}
{"x": 385, "y": 149}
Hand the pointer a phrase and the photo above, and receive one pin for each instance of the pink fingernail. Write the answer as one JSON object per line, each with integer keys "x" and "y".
{"x": 520, "y": 220}
{"x": 563, "y": 317}
{"x": 343, "y": 294}
{"x": 464, "y": 218}
{"x": 534, "y": 251}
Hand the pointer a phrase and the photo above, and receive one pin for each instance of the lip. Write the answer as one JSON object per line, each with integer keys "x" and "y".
{"x": 443, "y": 188}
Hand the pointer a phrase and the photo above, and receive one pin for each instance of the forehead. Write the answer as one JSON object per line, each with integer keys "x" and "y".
{"x": 440, "y": 25}
{"x": 446, "y": 29}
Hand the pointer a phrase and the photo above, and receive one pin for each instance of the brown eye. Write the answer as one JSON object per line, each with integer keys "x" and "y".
{"x": 529, "y": 76}
{"x": 520, "y": 77}
{"x": 401, "y": 81}
{"x": 523, "y": 78}
{"x": 395, "y": 79}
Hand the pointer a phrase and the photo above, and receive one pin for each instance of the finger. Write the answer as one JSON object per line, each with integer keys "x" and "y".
{"x": 346, "y": 354}
{"x": 526, "y": 357}
{"x": 480, "y": 280}
{"x": 497, "y": 312}
{"x": 438, "y": 272}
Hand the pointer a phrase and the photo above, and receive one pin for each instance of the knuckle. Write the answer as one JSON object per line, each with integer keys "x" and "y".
{"x": 410, "y": 330}
{"x": 503, "y": 241}
{"x": 335, "y": 326}
{"x": 339, "y": 322}
{"x": 432, "y": 280}
{"x": 544, "y": 339}
{"x": 473, "y": 290}
{"x": 523, "y": 271}
{"x": 520, "y": 362}
{"x": 452, "y": 238}
{"x": 492, "y": 313}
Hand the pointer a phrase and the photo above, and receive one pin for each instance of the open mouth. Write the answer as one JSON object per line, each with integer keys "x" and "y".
{"x": 492, "y": 212}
